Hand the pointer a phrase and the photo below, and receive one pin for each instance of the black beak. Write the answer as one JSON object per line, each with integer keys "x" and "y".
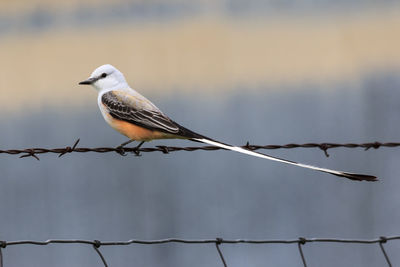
{"x": 89, "y": 81}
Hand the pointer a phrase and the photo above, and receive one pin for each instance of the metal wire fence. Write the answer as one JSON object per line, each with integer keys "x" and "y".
{"x": 34, "y": 152}
{"x": 96, "y": 244}
{"x": 218, "y": 242}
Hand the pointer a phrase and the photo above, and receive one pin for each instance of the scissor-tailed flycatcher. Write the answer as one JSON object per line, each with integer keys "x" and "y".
{"x": 136, "y": 117}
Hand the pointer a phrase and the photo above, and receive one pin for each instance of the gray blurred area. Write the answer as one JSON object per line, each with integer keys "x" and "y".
{"x": 209, "y": 194}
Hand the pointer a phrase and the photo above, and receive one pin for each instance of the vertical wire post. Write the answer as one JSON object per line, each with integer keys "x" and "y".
{"x": 1, "y": 258}
{"x": 221, "y": 256}
{"x": 382, "y": 240}
{"x": 3, "y": 244}
{"x": 96, "y": 245}
{"x": 301, "y": 242}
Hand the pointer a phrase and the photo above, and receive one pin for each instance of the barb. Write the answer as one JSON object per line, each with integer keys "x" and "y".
{"x": 34, "y": 152}
{"x": 217, "y": 242}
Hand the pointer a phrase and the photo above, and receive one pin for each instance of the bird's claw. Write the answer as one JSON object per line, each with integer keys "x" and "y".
{"x": 137, "y": 152}
{"x": 120, "y": 150}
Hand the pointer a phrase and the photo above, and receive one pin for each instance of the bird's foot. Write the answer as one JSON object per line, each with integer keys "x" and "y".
{"x": 136, "y": 149}
{"x": 120, "y": 150}
{"x": 137, "y": 152}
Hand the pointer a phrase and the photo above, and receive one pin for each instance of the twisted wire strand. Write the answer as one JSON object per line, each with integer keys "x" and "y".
{"x": 217, "y": 242}
{"x": 34, "y": 152}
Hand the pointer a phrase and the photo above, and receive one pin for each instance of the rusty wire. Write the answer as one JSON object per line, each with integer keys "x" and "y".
{"x": 96, "y": 244}
{"x": 34, "y": 152}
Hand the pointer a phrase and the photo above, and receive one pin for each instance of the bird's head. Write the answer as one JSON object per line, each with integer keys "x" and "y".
{"x": 106, "y": 77}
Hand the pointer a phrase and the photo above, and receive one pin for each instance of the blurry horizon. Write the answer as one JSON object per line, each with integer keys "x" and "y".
{"x": 168, "y": 47}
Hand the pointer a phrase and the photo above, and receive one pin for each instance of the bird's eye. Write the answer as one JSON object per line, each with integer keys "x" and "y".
{"x": 103, "y": 75}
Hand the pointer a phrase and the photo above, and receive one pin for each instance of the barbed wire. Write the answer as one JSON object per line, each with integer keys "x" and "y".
{"x": 96, "y": 244}
{"x": 34, "y": 152}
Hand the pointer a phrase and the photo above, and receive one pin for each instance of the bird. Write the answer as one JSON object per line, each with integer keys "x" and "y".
{"x": 136, "y": 117}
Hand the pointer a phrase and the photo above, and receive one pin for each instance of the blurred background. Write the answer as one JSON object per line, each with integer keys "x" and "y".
{"x": 267, "y": 72}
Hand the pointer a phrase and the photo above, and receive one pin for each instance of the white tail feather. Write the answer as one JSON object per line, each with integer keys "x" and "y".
{"x": 352, "y": 176}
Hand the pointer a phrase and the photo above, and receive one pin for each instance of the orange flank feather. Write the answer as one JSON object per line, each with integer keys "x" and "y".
{"x": 135, "y": 132}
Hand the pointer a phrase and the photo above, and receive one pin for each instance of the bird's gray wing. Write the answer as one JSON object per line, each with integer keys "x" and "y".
{"x": 137, "y": 110}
